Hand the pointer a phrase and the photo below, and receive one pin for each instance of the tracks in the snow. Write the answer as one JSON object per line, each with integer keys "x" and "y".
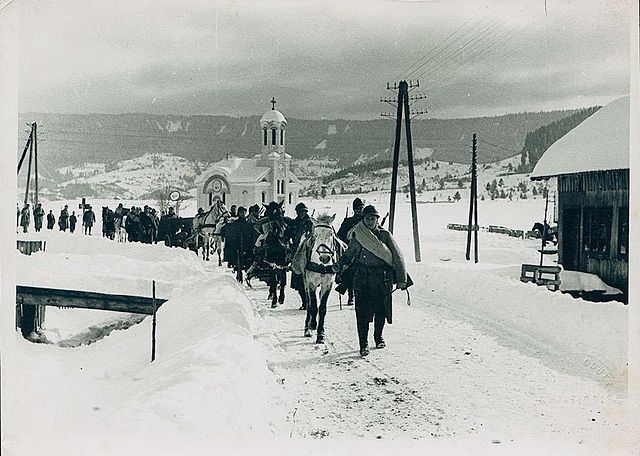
{"x": 334, "y": 391}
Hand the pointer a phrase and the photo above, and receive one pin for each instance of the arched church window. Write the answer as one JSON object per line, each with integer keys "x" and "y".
{"x": 264, "y": 197}
{"x": 224, "y": 197}
{"x": 290, "y": 198}
{"x": 265, "y": 136}
{"x": 210, "y": 199}
{"x": 282, "y": 136}
{"x": 273, "y": 136}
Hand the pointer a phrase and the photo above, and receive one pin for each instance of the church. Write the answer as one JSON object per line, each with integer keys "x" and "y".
{"x": 246, "y": 181}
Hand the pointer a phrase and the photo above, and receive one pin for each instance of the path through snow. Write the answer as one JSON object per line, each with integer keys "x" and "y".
{"x": 436, "y": 378}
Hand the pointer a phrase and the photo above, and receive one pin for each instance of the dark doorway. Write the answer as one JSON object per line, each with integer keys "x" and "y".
{"x": 571, "y": 238}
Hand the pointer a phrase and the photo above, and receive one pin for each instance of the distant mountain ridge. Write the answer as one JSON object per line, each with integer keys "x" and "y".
{"x": 72, "y": 139}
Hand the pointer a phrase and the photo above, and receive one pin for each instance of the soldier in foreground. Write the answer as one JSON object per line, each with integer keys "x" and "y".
{"x": 378, "y": 264}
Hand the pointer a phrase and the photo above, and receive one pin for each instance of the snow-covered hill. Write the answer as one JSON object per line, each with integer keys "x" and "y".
{"x": 152, "y": 175}
{"x": 141, "y": 177}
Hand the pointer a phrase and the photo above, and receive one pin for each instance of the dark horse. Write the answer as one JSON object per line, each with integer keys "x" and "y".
{"x": 546, "y": 232}
{"x": 108, "y": 223}
{"x": 272, "y": 253}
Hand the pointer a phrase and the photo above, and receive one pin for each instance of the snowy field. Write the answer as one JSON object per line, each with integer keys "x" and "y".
{"x": 479, "y": 362}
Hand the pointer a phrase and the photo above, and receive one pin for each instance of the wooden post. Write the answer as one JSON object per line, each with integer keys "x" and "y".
{"x": 412, "y": 182}
{"x": 470, "y": 225}
{"x": 544, "y": 228}
{"x": 26, "y": 193}
{"x": 396, "y": 155}
{"x": 24, "y": 152}
{"x": 35, "y": 156}
{"x": 153, "y": 328}
{"x": 83, "y": 206}
{"x": 473, "y": 205}
{"x": 475, "y": 197}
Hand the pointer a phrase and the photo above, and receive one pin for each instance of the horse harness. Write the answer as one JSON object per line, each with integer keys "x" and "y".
{"x": 320, "y": 250}
{"x": 204, "y": 217}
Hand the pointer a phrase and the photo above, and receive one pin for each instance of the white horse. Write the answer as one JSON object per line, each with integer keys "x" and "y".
{"x": 121, "y": 233}
{"x": 207, "y": 226}
{"x": 316, "y": 255}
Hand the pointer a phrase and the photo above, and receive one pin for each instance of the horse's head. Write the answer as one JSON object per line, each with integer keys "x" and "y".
{"x": 274, "y": 210}
{"x": 323, "y": 243}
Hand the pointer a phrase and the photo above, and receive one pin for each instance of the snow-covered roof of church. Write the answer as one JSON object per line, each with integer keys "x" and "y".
{"x": 273, "y": 117}
{"x": 599, "y": 143}
{"x": 236, "y": 170}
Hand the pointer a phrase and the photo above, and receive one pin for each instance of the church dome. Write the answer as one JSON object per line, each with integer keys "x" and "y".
{"x": 273, "y": 118}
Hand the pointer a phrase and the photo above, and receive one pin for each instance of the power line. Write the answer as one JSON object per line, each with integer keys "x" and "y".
{"x": 490, "y": 69}
{"x": 411, "y": 69}
{"x": 474, "y": 39}
{"x": 484, "y": 141}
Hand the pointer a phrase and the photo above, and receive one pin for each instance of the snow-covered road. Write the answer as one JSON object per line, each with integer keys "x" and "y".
{"x": 437, "y": 377}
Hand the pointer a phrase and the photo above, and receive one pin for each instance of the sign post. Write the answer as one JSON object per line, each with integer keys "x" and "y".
{"x": 175, "y": 196}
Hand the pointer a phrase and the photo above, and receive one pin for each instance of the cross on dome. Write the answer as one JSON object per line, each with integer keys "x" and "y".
{"x": 273, "y": 103}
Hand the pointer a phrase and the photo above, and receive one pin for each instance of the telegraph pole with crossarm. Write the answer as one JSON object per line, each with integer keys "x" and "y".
{"x": 402, "y": 103}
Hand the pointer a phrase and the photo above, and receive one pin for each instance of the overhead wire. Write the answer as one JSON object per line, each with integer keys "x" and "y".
{"x": 439, "y": 59}
{"x": 480, "y": 37}
{"x": 496, "y": 64}
{"x": 429, "y": 58}
{"x": 408, "y": 70}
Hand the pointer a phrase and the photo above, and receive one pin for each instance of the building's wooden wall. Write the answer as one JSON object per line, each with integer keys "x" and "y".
{"x": 600, "y": 190}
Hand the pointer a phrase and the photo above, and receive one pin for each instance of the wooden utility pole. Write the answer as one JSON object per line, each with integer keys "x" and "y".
{"x": 396, "y": 158}
{"x": 153, "y": 327}
{"x": 35, "y": 156}
{"x": 412, "y": 182}
{"x": 402, "y": 104}
{"x": 26, "y": 193}
{"x": 473, "y": 204}
{"x": 32, "y": 147}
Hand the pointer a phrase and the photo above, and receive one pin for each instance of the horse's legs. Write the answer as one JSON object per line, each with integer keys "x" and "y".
{"x": 282, "y": 278}
{"x": 307, "y": 319}
{"x": 322, "y": 311}
{"x": 273, "y": 288}
{"x": 312, "y": 310}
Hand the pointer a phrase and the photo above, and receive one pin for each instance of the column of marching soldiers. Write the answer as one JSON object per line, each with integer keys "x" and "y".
{"x": 250, "y": 240}
{"x": 240, "y": 231}
{"x": 65, "y": 220}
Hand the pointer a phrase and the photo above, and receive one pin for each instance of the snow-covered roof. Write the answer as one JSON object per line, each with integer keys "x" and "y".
{"x": 236, "y": 170}
{"x": 273, "y": 118}
{"x": 599, "y": 143}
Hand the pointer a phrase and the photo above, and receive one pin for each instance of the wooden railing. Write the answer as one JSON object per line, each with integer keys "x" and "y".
{"x": 548, "y": 276}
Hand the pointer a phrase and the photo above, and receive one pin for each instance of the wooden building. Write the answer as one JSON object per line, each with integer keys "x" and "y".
{"x": 591, "y": 165}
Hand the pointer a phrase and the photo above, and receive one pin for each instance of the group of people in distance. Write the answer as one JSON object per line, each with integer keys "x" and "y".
{"x": 65, "y": 221}
{"x": 368, "y": 270}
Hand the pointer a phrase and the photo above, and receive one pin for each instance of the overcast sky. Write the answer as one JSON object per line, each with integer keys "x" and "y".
{"x": 320, "y": 59}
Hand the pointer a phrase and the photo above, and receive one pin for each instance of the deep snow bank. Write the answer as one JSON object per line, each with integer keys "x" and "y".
{"x": 209, "y": 382}
{"x": 571, "y": 335}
